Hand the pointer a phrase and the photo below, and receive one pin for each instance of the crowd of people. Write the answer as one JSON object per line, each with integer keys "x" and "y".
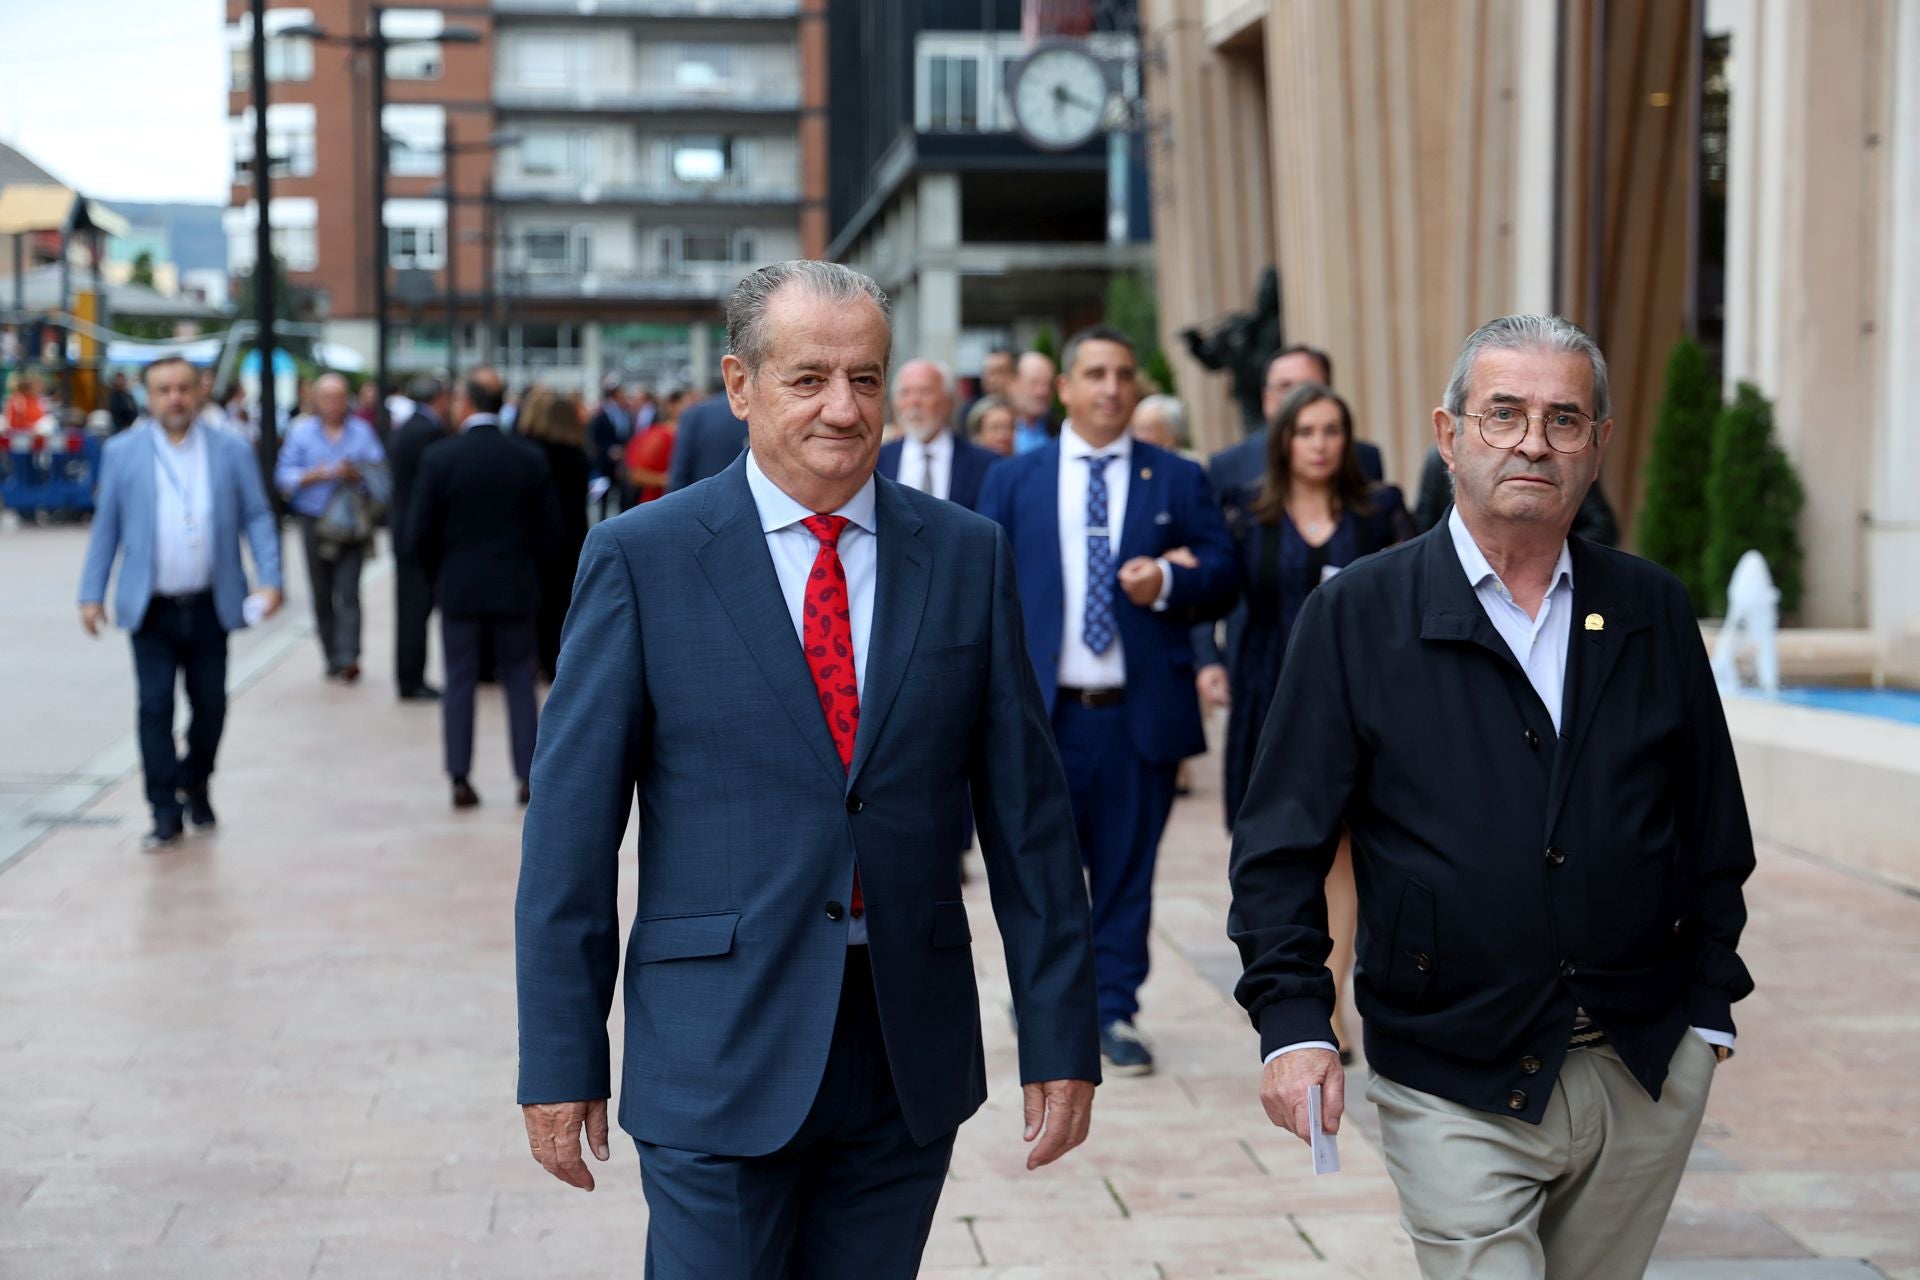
{"x": 1032, "y": 681}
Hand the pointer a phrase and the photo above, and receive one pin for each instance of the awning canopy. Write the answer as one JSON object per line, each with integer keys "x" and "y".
{"x": 26, "y": 207}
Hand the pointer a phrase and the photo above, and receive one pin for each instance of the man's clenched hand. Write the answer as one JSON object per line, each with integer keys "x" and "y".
{"x": 1283, "y": 1090}
{"x": 553, "y": 1131}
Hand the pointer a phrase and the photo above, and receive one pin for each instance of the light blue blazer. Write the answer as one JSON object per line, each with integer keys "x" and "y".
{"x": 123, "y": 526}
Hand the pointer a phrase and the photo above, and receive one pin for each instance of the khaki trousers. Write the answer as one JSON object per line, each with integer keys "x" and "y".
{"x": 1580, "y": 1196}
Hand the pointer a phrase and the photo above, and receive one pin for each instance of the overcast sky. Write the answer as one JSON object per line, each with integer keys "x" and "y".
{"x": 124, "y": 99}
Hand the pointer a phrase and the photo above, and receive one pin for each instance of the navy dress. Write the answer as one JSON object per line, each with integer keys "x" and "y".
{"x": 1281, "y": 569}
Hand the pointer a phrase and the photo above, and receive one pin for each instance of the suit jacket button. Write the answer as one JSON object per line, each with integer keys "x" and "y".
{"x": 1530, "y": 1065}
{"x": 835, "y": 911}
{"x": 1567, "y": 969}
{"x": 1556, "y": 855}
{"x": 1423, "y": 962}
{"x": 1517, "y": 1101}
{"x": 1533, "y": 740}
{"x": 855, "y": 804}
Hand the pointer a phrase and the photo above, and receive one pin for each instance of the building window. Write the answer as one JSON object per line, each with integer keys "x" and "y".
{"x": 704, "y": 248}
{"x": 416, "y": 132}
{"x": 556, "y": 250}
{"x": 544, "y": 345}
{"x": 556, "y": 154}
{"x": 290, "y": 141}
{"x": 953, "y": 94}
{"x": 294, "y": 241}
{"x": 702, "y": 160}
{"x": 288, "y": 59}
{"x": 703, "y": 68}
{"x": 547, "y": 62}
{"x": 417, "y": 247}
{"x": 413, "y": 61}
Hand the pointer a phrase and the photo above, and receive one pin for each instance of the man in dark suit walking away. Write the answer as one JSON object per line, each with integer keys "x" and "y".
{"x": 1520, "y": 730}
{"x": 802, "y": 668}
{"x": 1120, "y": 549}
{"x": 482, "y": 514}
{"x": 412, "y": 589}
{"x": 929, "y": 456}
{"x": 707, "y": 441}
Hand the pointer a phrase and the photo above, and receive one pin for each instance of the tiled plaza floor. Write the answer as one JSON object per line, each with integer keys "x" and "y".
{"x": 288, "y": 1051}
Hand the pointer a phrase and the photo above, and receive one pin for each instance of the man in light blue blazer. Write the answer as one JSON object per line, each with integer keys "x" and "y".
{"x": 801, "y": 667}
{"x": 1119, "y": 549}
{"x": 176, "y": 499}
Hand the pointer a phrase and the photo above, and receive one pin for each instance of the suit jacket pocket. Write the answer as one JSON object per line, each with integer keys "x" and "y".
{"x": 1414, "y": 957}
{"x": 950, "y": 927}
{"x": 683, "y": 937}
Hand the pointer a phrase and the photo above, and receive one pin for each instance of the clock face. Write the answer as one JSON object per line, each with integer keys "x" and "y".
{"x": 1059, "y": 96}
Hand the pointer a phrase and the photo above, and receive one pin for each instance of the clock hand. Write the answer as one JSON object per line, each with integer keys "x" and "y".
{"x": 1063, "y": 97}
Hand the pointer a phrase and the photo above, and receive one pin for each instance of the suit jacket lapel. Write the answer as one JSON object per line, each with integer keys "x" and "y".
{"x": 740, "y": 570}
{"x": 143, "y": 503}
{"x": 905, "y": 571}
{"x": 1592, "y": 655}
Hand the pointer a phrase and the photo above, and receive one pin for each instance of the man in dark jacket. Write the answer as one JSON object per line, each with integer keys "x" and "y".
{"x": 708, "y": 440}
{"x": 481, "y": 514}
{"x": 412, "y": 589}
{"x": 1521, "y": 733}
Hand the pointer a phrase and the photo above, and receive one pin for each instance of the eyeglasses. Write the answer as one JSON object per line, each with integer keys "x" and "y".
{"x": 1505, "y": 425}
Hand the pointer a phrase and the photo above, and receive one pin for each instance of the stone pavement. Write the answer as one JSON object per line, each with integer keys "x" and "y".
{"x": 287, "y": 1050}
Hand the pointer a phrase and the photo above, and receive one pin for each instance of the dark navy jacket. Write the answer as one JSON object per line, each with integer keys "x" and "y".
{"x": 707, "y": 440}
{"x": 1507, "y": 876}
{"x": 970, "y": 466}
{"x": 681, "y": 677}
{"x": 1168, "y": 505}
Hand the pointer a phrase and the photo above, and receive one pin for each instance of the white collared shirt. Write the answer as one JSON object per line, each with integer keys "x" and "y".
{"x": 1538, "y": 643}
{"x": 793, "y": 550}
{"x": 1080, "y": 667}
{"x": 182, "y": 513}
{"x": 916, "y": 459}
{"x": 479, "y": 420}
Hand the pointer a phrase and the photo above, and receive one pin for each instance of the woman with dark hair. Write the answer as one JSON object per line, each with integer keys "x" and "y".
{"x": 554, "y": 424}
{"x": 1312, "y": 514}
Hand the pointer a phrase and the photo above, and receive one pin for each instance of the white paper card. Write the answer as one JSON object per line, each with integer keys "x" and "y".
{"x": 1326, "y": 1147}
{"x": 253, "y": 610}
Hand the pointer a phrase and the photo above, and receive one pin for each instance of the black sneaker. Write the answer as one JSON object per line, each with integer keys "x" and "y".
{"x": 425, "y": 693}
{"x": 200, "y": 811}
{"x": 165, "y": 833}
{"x": 1123, "y": 1051}
{"x": 464, "y": 796}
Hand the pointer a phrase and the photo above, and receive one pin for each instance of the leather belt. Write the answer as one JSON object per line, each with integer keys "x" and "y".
{"x": 1093, "y": 699}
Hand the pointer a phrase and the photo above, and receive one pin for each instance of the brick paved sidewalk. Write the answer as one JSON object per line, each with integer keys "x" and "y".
{"x": 288, "y": 1051}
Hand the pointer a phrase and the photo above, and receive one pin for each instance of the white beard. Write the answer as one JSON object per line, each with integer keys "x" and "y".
{"x": 921, "y": 431}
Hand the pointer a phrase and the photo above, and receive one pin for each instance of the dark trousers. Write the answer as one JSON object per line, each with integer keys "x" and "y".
{"x": 1120, "y": 808}
{"x": 412, "y": 607}
{"x": 334, "y": 572}
{"x": 849, "y": 1196}
{"x": 181, "y": 635}
{"x": 513, "y": 646}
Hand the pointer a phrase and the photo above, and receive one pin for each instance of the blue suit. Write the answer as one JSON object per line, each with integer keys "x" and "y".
{"x": 970, "y": 466}
{"x": 707, "y": 440}
{"x": 681, "y": 676}
{"x": 1121, "y": 759}
{"x": 178, "y": 636}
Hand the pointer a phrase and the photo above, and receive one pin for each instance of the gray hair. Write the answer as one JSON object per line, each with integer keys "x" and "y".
{"x": 1171, "y": 411}
{"x": 946, "y": 374}
{"x": 424, "y": 388}
{"x": 827, "y": 281}
{"x": 1527, "y": 333}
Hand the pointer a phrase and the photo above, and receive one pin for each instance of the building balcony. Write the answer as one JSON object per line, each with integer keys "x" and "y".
{"x": 689, "y": 284}
{"x": 635, "y": 191}
{"x": 759, "y": 98}
{"x": 703, "y": 10}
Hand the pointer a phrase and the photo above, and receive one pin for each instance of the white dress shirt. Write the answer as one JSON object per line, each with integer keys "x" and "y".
{"x": 1539, "y": 644}
{"x": 793, "y": 550}
{"x": 928, "y": 467}
{"x": 1080, "y": 667}
{"x": 182, "y": 513}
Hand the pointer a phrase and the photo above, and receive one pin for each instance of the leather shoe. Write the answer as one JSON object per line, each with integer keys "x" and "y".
{"x": 464, "y": 796}
{"x": 425, "y": 693}
{"x": 165, "y": 833}
{"x": 200, "y": 810}
{"x": 350, "y": 673}
{"x": 526, "y": 795}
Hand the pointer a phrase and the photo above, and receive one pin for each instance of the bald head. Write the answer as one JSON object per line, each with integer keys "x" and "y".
{"x": 481, "y": 391}
{"x": 331, "y": 395}
{"x": 923, "y": 398}
{"x": 1032, "y": 389}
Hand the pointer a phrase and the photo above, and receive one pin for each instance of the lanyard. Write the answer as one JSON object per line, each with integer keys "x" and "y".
{"x": 181, "y": 489}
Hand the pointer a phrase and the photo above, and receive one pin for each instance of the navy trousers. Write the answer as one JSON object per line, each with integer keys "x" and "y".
{"x": 513, "y": 643}
{"x": 1120, "y": 808}
{"x": 181, "y": 635}
{"x": 851, "y": 1197}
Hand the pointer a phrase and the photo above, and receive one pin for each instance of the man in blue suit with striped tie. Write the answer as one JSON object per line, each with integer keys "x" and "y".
{"x": 1119, "y": 548}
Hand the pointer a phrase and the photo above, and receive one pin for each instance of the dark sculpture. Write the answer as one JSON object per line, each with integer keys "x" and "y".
{"x": 1242, "y": 344}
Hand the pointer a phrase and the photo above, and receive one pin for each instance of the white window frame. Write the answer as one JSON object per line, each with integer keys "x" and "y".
{"x": 292, "y": 141}
{"x": 716, "y": 55}
{"x": 995, "y": 53}
{"x": 425, "y": 225}
{"x": 289, "y": 59}
{"x": 579, "y": 247}
{"x": 417, "y": 130}
{"x": 414, "y": 61}
{"x": 571, "y": 58}
{"x": 295, "y": 239}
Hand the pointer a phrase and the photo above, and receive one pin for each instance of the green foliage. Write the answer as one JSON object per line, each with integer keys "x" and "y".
{"x": 142, "y": 272}
{"x": 1753, "y": 501}
{"x": 1047, "y": 343}
{"x": 287, "y": 306}
{"x": 1133, "y": 307}
{"x": 1672, "y": 528}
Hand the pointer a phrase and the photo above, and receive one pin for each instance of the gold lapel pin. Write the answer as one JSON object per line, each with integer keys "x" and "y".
{"x": 1146, "y": 473}
{"x": 1596, "y": 623}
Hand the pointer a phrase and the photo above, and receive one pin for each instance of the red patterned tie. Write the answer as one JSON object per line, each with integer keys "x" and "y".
{"x": 828, "y": 641}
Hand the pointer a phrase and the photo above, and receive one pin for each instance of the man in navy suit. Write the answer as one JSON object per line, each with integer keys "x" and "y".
{"x": 707, "y": 440}
{"x": 175, "y": 501}
{"x": 1119, "y": 549}
{"x": 1237, "y": 473}
{"x": 802, "y": 710}
{"x": 929, "y": 456}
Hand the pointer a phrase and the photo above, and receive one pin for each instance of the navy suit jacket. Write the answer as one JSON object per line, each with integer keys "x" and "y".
{"x": 707, "y": 440}
{"x": 123, "y": 517}
{"x": 1168, "y": 505}
{"x": 970, "y": 466}
{"x": 681, "y": 676}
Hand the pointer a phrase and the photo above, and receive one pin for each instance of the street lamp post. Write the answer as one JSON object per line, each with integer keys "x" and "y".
{"x": 449, "y": 150}
{"x": 264, "y": 302}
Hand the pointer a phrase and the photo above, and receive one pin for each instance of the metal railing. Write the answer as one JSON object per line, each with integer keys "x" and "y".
{"x": 619, "y": 189}
{"x": 704, "y": 9}
{"x": 694, "y": 285}
{"x": 756, "y": 96}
